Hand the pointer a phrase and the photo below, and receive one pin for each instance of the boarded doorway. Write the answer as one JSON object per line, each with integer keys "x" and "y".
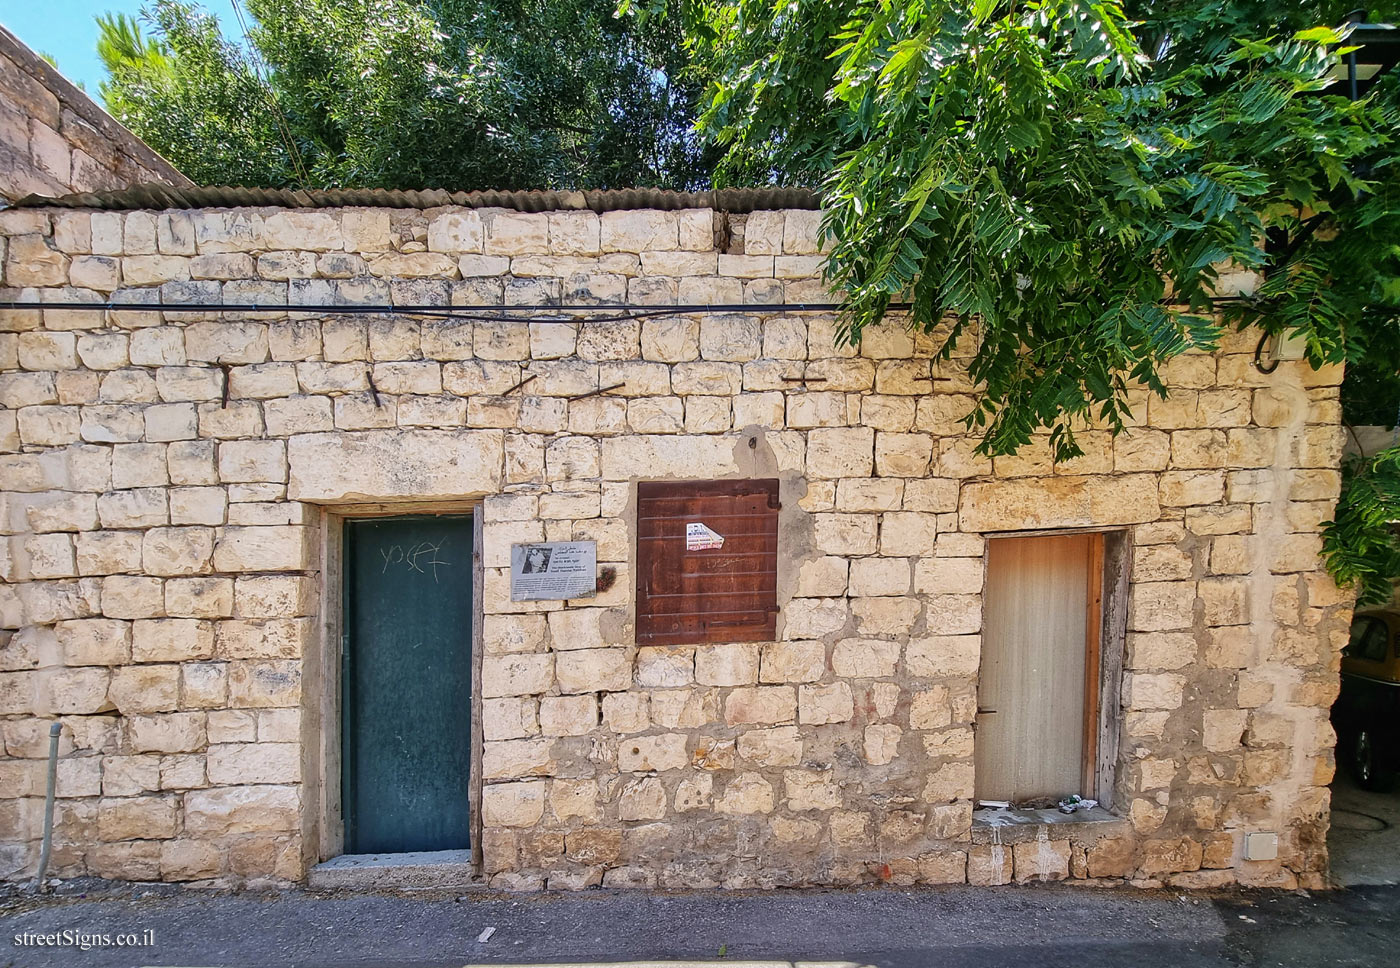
{"x": 1038, "y": 689}
{"x": 406, "y": 702}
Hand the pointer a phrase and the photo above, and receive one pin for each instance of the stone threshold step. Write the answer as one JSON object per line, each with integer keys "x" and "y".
{"x": 991, "y": 826}
{"x": 422, "y": 870}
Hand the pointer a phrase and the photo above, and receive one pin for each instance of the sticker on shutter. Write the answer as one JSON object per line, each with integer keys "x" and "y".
{"x": 699, "y": 538}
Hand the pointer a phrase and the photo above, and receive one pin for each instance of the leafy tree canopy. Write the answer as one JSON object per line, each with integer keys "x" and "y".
{"x": 409, "y": 94}
{"x": 1071, "y": 175}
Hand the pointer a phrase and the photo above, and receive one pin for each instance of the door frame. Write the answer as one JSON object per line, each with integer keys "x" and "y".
{"x": 325, "y": 711}
{"x": 1106, "y": 631}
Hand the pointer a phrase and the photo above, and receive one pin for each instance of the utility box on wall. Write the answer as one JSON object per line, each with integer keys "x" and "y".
{"x": 1261, "y": 846}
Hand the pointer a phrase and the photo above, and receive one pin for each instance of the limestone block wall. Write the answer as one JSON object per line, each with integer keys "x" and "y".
{"x": 169, "y": 478}
{"x": 55, "y": 139}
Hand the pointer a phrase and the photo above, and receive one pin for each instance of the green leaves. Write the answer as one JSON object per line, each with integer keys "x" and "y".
{"x": 1360, "y": 542}
{"x": 456, "y": 94}
{"x": 121, "y": 46}
{"x": 1012, "y": 186}
{"x": 1320, "y": 35}
{"x": 1032, "y": 181}
{"x": 1027, "y": 165}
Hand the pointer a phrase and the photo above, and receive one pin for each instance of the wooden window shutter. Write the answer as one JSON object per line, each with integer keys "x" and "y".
{"x": 723, "y": 594}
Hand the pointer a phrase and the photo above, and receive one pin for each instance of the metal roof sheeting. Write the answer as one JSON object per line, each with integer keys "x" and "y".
{"x": 152, "y": 196}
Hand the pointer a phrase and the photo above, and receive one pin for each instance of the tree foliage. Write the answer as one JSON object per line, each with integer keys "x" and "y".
{"x": 460, "y": 94}
{"x": 1063, "y": 180}
{"x": 1360, "y": 543}
{"x": 1071, "y": 178}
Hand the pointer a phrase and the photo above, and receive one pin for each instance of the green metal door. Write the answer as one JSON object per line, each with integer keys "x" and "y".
{"x": 407, "y": 677}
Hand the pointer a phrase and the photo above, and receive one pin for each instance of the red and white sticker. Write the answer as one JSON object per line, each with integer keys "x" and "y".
{"x": 699, "y": 538}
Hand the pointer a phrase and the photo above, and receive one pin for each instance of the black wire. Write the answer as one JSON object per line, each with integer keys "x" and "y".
{"x": 1258, "y": 352}
{"x": 477, "y": 316}
{"x": 626, "y": 312}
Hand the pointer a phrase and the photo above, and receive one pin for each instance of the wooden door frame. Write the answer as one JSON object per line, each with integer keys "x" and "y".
{"x": 1113, "y": 638}
{"x": 1109, "y": 567}
{"x": 1093, "y": 665}
{"x": 323, "y": 812}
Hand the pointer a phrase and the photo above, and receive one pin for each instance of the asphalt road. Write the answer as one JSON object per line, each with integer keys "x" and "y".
{"x": 1364, "y": 842}
{"x": 1029, "y": 927}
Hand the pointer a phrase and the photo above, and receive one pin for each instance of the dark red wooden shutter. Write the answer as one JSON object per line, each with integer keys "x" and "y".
{"x": 726, "y": 594}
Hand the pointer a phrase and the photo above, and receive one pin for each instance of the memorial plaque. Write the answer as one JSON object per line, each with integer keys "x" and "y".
{"x": 553, "y": 570}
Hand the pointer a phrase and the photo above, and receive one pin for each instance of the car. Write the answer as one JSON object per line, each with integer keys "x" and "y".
{"x": 1366, "y": 715}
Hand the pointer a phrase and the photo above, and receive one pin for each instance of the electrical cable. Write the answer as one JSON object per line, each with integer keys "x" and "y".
{"x": 570, "y": 313}
{"x": 1259, "y": 354}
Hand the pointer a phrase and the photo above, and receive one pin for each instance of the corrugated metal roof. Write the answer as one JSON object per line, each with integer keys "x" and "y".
{"x": 151, "y": 196}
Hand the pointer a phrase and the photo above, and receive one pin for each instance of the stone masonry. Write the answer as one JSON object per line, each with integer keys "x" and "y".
{"x": 54, "y": 139}
{"x": 166, "y": 478}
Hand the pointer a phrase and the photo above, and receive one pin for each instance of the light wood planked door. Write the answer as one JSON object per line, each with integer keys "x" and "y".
{"x": 1040, "y": 627}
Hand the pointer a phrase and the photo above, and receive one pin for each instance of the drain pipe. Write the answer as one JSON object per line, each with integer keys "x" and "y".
{"x": 54, "y": 730}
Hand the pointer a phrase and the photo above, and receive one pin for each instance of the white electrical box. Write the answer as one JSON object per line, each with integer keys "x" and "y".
{"x": 1261, "y": 846}
{"x": 1287, "y": 346}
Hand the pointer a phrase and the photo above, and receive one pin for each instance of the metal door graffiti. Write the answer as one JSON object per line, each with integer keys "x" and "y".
{"x": 407, "y": 684}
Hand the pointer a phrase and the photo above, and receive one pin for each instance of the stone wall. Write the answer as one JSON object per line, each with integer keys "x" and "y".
{"x": 167, "y": 477}
{"x": 54, "y": 139}
{"x": 1367, "y": 439}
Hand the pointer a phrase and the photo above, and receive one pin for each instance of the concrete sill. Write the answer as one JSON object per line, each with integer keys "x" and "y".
{"x": 423, "y": 870}
{"x": 1020, "y": 826}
